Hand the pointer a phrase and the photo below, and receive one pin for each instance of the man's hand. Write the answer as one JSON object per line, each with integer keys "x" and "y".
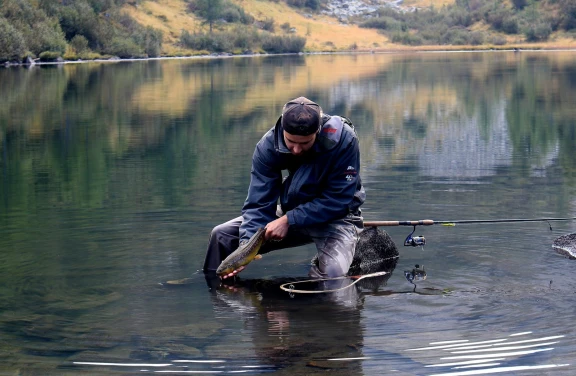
{"x": 257, "y": 257}
{"x": 233, "y": 273}
{"x": 277, "y": 229}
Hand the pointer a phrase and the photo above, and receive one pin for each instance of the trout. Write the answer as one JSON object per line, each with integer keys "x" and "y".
{"x": 243, "y": 255}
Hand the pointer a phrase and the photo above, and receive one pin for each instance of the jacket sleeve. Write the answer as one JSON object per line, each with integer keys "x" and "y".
{"x": 338, "y": 194}
{"x": 265, "y": 183}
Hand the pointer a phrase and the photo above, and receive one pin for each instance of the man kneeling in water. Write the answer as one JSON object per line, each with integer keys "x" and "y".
{"x": 320, "y": 198}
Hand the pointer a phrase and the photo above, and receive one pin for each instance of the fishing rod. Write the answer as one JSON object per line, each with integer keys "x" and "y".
{"x": 420, "y": 240}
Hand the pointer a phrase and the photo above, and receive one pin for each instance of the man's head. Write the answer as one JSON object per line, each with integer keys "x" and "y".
{"x": 301, "y": 121}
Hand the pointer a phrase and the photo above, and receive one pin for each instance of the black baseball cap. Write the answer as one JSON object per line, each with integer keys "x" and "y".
{"x": 301, "y": 117}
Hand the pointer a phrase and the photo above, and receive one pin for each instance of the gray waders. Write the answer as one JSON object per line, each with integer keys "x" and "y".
{"x": 335, "y": 242}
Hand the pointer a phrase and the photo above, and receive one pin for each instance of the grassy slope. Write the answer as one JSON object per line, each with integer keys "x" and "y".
{"x": 170, "y": 16}
{"x": 322, "y": 33}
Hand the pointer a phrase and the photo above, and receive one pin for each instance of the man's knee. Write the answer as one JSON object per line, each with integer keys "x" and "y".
{"x": 331, "y": 264}
{"x": 224, "y": 233}
{"x": 223, "y": 241}
{"x": 335, "y": 256}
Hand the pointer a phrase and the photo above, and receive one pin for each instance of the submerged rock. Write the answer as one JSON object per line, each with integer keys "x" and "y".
{"x": 566, "y": 245}
{"x": 165, "y": 352}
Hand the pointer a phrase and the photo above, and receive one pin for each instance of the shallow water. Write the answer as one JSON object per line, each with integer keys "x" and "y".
{"x": 112, "y": 175}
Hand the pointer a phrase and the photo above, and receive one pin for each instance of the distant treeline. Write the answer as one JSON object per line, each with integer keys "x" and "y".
{"x": 88, "y": 29}
{"x": 75, "y": 29}
{"x": 454, "y": 24}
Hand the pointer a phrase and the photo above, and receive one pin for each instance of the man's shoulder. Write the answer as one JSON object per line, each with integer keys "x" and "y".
{"x": 267, "y": 138}
{"x": 267, "y": 146}
{"x": 336, "y": 130}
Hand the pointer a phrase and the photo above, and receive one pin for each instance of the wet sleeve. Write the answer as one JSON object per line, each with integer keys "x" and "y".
{"x": 265, "y": 183}
{"x": 338, "y": 195}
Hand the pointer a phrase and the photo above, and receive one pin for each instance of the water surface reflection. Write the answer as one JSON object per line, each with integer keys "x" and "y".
{"x": 112, "y": 175}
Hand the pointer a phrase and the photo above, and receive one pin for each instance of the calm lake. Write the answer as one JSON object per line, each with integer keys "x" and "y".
{"x": 113, "y": 174}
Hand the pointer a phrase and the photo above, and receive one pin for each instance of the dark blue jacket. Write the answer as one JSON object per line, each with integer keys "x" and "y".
{"x": 321, "y": 187}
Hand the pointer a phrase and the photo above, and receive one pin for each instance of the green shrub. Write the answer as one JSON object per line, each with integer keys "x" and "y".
{"x": 80, "y": 18}
{"x": 214, "y": 42}
{"x": 459, "y": 17}
{"x": 407, "y": 38}
{"x": 498, "y": 40}
{"x": 567, "y": 14}
{"x": 235, "y": 14}
{"x": 477, "y": 38}
{"x": 71, "y": 55}
{"x": 520, "y": 4}
{"x": 79, "y": 43}
{"x": 189, "y": 40}
{"x": 538, "y": 32}
{"x": 456, "y": 36}
{"x": 384, "y": 23}
{"x": 283, "y": 44}
{"x": 268, "y": 24}
{"x": 124, "y": 48}
{"x": 498, "y": 17}
{"x": 12, "y": 43}
{"x": 40, "y": 32}
{"x": 432, "y": 36}
{"x": 510, "y": 25}
{"x": 48, "y": 56}
{"x": 312, "y": 4}
{"x": 245, "y": 38}
{"x": 46, "y": 37}
{"x": 104, "y": 5}
{"x": 149, "y": 40}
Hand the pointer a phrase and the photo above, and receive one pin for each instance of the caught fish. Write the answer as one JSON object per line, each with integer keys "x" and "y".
{"x": 243, "y": 255}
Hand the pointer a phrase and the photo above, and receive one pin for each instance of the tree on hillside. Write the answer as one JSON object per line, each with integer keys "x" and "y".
{"x": 520, "y": 4}
{"x": 40, "y": 32}
{"x": 568, "y": 14}
{"x": 12, "y": 44}
{"x": 210, "y": 10}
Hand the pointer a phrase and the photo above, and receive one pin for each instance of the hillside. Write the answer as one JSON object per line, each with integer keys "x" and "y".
{"x": 322, "y": 32}
{"x": 334, "y": 28}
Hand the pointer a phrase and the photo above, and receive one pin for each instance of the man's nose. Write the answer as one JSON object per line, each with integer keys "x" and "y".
{"x": 297, "y": 149}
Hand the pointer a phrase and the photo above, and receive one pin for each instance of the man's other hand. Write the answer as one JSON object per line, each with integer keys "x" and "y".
{"x": 277, "y": 229}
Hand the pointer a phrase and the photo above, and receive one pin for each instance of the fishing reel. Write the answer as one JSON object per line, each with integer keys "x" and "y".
{"x": 416, "y": 274}
{"x": 414, "y": 241}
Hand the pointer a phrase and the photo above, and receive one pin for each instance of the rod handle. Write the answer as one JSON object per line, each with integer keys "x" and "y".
{"x": 422, "y": 222}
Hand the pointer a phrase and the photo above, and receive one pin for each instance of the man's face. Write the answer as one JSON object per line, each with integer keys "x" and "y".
{"x": 299, "y": 145}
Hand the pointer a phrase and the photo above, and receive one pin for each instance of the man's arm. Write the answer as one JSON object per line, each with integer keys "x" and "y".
{"x": 265, "y": 183}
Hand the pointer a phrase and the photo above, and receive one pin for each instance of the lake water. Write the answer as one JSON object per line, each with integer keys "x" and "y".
{"x": 113, "y": 174}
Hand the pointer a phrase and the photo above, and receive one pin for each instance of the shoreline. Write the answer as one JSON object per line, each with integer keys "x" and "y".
{"x": 220, "y": 55}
